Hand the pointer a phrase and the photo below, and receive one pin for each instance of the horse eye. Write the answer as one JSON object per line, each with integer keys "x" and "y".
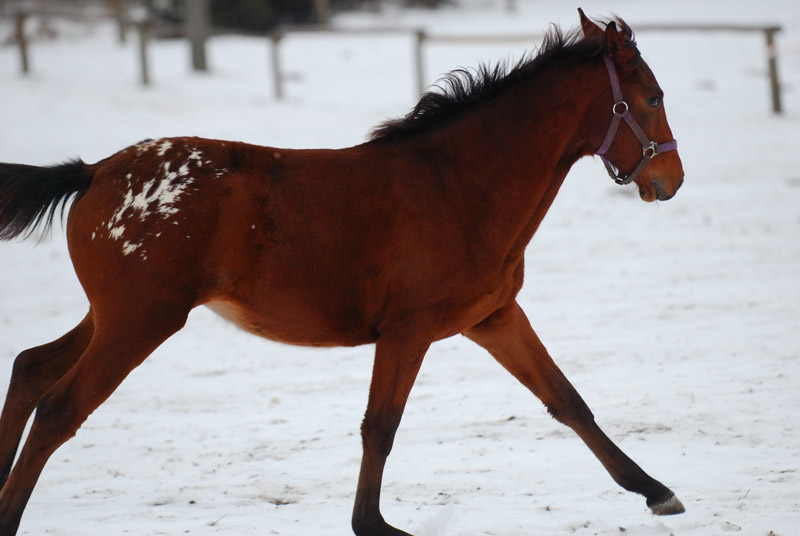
{"x": 654, "y": 102}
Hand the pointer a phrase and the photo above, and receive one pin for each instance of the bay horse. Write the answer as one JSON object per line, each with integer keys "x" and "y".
{"x": 416, "y": 235}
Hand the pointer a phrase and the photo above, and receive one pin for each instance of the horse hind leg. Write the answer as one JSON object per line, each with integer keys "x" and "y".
{"x": 116, "y": 348}
{"x": 35, "y": 371}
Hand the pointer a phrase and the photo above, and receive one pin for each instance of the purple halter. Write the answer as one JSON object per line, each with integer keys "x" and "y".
{"x": 620, "y": 110}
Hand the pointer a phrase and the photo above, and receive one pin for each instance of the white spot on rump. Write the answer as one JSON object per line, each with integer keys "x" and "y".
{"x": 145, "y": 146}
{"x": 129, "y": 247}
{"x": 166, "y": 194}
{"x": 146, "y": 200}
{"x": 157, "y": 196}
{"x": 116, "y": 232}
{"x": 163, "y": 147}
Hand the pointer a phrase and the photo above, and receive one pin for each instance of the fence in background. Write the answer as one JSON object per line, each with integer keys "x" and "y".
{"x": 769, "y": 38}
{"x": 136, "y": 18}
{"x": 422, "y": 38}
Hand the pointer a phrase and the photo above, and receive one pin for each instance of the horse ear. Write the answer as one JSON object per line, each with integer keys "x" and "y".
{"x": 619, "y": 45}
{"x": 590, "y": 29}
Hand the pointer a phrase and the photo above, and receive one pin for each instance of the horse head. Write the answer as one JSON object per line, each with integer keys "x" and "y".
{"x": 635, "y": 98}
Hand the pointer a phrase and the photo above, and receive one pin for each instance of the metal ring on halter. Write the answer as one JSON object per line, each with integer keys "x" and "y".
{"x": 614, "y": 108}
{"x": 652, "y": 147}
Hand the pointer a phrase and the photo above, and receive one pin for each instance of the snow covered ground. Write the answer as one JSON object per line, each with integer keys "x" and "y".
{"x": 679, "y": 322}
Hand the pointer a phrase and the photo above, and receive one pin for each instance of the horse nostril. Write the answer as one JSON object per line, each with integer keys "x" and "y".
{"x": 661, "y": 195}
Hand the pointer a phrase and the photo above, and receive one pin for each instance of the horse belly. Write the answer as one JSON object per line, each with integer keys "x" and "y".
{"x": 293, "y": 324}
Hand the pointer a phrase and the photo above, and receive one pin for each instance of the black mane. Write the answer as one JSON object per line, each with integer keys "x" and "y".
{"x": 460, "y": 90}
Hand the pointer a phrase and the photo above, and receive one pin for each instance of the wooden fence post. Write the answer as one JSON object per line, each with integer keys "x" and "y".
{"x": 322, "y": 11}
{"x": 197, "y": 29}
{"x": 275, "y": 56}
{"x": 419, "y": 59}
{"x": 22, "y": 40}
{"x": 144, "y": 36}
{"x": 118, "y": 9}
{"x": 775, "y": 86}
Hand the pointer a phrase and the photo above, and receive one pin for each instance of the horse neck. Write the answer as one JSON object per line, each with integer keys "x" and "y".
{"x": 510, "y": 156}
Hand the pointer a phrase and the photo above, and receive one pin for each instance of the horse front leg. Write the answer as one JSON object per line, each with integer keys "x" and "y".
{"x": 508, "y": 336}
{"x": 396, "y": 365}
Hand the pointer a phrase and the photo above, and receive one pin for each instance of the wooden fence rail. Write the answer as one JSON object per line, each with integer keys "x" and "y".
{"x": 769, "y": 38}
{"x": 423, "y": 38}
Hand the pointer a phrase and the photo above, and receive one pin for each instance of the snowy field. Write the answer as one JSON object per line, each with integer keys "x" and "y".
{"x": 679, "y": 322}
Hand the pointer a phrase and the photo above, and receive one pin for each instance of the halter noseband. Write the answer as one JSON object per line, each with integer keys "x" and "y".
{"x": 620, "y": 110}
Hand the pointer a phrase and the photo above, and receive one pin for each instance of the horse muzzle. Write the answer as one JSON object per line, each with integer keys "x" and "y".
{"x": 662, "y": 194}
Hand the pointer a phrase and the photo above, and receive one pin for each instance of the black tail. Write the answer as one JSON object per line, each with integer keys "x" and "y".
{"x": 30, "y": 195}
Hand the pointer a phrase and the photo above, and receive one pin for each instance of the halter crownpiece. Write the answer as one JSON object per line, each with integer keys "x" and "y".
{"x": 620, "y": 110}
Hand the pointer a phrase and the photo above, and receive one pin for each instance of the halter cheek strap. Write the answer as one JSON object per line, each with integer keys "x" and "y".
{"x": 620, "y": 111}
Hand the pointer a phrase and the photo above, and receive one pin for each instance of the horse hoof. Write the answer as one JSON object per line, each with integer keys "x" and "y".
{"x": 377, "y": 529}
{"x": 668, "y": 507}
{"x": 386, "y": 530}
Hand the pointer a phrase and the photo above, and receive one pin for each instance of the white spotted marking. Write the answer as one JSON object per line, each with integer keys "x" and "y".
{"x": 163, "y": 147}
{"x": 116, "y": 232}
{"x": 157, "y": 197}
{"x": 128, "y": 247}
{"x": 145, "y": 146}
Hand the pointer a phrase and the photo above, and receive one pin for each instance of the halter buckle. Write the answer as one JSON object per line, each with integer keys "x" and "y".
{"x": 653, "y": 147}
{"x": 622, "y": 180}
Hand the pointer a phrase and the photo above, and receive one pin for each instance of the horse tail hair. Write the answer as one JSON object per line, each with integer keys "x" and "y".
{"x": 31, "y": 195}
